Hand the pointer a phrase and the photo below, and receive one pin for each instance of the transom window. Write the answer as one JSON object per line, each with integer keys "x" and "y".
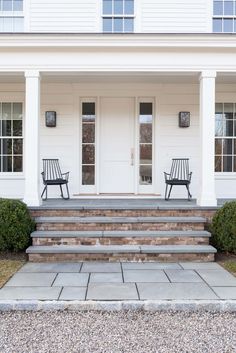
{"x": 118, "y": 16}
{"x": 224, "y": 16}
{"x": 11, "y": 137}
{"x": 11, "y": 16}
{"x": 225, "y": 137}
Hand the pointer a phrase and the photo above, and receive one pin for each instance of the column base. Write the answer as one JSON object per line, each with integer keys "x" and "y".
{"x": 207, "y": 202}
{"x": 33, "y": 202}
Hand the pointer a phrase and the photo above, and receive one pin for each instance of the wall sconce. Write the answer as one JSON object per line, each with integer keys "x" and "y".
{"x": 184, "y": 119}
{"x": 51, "y": 119}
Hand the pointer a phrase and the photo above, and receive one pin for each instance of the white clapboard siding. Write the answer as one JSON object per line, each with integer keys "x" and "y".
{"x": 64, "y": 16}
{"x": 173, "y": 16}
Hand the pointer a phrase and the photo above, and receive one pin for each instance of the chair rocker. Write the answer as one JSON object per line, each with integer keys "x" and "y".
{"x": 52, "y": 175}
{"x": 179, "y": 175}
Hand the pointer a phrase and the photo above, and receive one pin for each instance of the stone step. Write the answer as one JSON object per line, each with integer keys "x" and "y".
{"x": 120, "y": 223}
{"x": 120, "y": 219}
{"x": 122, "y": 253}
{"x": 120, "y": 237}
{"x": 123, "y": 212}
{"x": 119, "y": 234}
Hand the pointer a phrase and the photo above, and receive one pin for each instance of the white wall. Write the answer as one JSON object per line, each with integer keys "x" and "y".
{"x": 171, "y": 16}
{"x": 63, "y": 16}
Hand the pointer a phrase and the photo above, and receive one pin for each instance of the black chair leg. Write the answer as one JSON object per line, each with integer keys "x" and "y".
{"x": 170, "y": 192}
{"x": 68, "y": 194}
{"x": 61, "y": 191}
{"x": 189, "y": 195}
{"x": 166, "y": 192}
{"x": 45, "y": 189}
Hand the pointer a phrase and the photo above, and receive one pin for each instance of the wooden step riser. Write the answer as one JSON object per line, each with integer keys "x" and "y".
{"x": 119, "y": 226}
{"x": 121, "y": 257}
{"x": 122, "y": 241}
{"x": 208, "y": 214}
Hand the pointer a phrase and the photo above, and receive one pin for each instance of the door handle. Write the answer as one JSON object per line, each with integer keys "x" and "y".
{"x": 132, "y": 156}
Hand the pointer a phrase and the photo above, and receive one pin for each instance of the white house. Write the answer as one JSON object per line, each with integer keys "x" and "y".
{"x": 131, "y": 66}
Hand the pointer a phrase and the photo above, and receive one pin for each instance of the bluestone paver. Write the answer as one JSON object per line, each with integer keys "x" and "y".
{"x": 30, "y": 293}
{"x": 31, "y": 280}
{"x": 114, "y": 291}
{"x": 73, "y": 293}
{"x": 145, "y": 276}
{"x": 149, "y": 266}
{"x": 183, "y": 276}
{"x": 71, "y": 280}
{"x": 106, "y": 277}
{"x": 101, "y": 267}
{"x": 200, "y": 266}
{"x": 175, "y": 291}
{"x": 221, "y": 278}
{"x": 51, "y": 267}
{"x": 225, "y": 292}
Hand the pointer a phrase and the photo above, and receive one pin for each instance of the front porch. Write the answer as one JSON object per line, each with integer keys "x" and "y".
{"x": 117, "y": 105}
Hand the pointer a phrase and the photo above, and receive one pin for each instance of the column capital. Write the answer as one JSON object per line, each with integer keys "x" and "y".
{"x": 207, "y": 74}
{"x": 32, "y": 74}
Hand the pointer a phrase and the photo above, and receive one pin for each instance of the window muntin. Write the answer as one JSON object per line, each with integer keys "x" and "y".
{"x": 224, "y": 16}
{"x": 145, "y": 143}
{"x": 118, "y": 16}
{"x": 225, "y": 137}
{"x": 88, "y": 143}
{"x": 11, "y": 16}
{"x": 11, "y": 138}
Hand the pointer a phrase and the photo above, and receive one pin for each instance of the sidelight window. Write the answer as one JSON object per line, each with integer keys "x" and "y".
{"x": 145, "y": 143}
{"x": 88, "y": 143}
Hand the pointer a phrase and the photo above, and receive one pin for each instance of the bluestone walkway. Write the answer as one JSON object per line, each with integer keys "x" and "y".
{"x": 120, "y": 281}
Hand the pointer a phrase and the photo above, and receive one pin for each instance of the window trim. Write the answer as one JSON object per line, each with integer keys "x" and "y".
{"x": 225, "y": 137}
{"x": 16, "y": 175}
{"x": 113, "y": 16}
{"x": 223, "y": 17}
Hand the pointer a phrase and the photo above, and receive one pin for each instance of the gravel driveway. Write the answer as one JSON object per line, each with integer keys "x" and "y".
{"x": 126, "y": 332}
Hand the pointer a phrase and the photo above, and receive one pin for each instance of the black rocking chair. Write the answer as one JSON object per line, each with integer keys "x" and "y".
{"x": 52, "y": 175}
{"x": 179, "y": 175}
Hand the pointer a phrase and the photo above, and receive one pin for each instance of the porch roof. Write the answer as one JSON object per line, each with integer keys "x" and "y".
{"x": 129, "y": 40}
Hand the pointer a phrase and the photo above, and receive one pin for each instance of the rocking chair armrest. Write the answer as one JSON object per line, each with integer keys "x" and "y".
{"x": 190, "y": 176}
{"x": 43, "y": 175}
{"x": 167, "y": 176}
{"x": 66, "y": 175}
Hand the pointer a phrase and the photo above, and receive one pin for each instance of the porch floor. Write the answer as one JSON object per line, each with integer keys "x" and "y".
{"x": 120, "y": 281}
{"x": 123, "y": 203}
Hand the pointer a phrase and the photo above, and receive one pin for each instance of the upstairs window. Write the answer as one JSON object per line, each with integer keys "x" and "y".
{"x": 118, "y": 16}
{"x": 11, "y": 16}
{"x": 224, "y": 16}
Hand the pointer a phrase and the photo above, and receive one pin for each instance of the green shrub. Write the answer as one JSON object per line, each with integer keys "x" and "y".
{"x": 223, "y": 228}
{"x": 15, "y": 225}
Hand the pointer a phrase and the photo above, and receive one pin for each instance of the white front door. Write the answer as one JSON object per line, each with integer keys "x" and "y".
{"x": 117, "y": 145}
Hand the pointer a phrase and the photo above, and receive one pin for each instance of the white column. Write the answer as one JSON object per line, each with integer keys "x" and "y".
{"x": 32, "y": 116}
{"x": 207, "y": 194}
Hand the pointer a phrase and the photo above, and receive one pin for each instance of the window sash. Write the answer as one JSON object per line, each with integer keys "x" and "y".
{"x": 225, "y": 138}
{"x": 11, "y": 137}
